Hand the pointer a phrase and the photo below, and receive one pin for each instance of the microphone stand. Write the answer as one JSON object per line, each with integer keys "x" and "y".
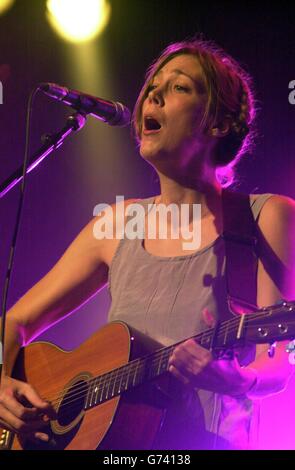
{"x": 52, "y": 142}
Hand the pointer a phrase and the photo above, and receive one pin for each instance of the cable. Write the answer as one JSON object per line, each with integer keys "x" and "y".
{"x": 16, "y": 227}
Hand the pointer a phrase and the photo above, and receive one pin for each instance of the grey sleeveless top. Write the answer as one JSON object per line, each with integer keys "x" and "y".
{"x": 163, "y": 297}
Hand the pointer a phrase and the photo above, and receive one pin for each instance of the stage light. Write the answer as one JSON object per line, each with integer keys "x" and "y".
{"x": 78, "y": 20}
{"x": 5, "y": 4}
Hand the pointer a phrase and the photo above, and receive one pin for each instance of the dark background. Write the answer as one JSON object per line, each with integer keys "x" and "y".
{"x": 101, "y": 162}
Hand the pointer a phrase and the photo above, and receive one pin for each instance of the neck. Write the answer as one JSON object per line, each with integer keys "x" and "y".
{"x": 205, "y": 192}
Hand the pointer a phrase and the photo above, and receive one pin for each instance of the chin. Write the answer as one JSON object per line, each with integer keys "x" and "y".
{"x": 148, "y": 153}
{"x": 151, "y": 151}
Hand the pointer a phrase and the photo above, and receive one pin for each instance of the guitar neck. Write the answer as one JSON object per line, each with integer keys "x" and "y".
{"x": 149, "y": 367}
{"x": 136, "y": 372}
{"x": 257, "y": 327}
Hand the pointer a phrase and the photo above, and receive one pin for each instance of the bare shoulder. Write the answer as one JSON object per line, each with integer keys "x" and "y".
{"x": 279, "y": 203}
{"x": 277, "y": 225}
{"x": 113, "y": 213}
{"x": 97, "y": 241}
{"x": 276, "y": 267}
{"x": 106, "y": 226}
{"x": 277, "y": 213}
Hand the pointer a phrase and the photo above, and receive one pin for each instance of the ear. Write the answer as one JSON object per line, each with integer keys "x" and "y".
{"x": 222, "y": 128}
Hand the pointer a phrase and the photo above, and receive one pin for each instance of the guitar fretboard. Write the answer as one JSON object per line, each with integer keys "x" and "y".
{"x": 145, "y": 369}
{"x": 258, "y": 327}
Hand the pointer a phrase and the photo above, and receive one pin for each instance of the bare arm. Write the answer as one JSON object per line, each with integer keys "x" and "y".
{"x": 79, "y": 273}
{"x": 193, "y": 364}
{"x": 276, "y": 271}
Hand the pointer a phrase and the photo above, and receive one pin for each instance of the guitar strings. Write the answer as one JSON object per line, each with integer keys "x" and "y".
{"x": 77, "y": 391}
{"x": 126, "y": 371}
{"x": 130, "y": 367}
{"x": 100, "y": 388}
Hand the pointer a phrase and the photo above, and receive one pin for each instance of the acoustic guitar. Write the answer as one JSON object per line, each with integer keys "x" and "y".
{"x": 114, "y": 391}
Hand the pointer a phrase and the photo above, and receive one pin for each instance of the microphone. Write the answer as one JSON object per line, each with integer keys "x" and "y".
{"x": 111, "y": 112}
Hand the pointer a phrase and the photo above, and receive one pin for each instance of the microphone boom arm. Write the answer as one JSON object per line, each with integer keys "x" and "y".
{"x": 74, "y": 122}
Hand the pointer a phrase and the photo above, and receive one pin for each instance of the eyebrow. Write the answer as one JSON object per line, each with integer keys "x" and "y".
{"x": 198, "y": 81}
{"x": 178, "y": 72}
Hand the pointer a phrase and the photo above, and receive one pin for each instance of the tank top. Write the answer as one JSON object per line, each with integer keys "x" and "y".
{"x": 163, "y": 297}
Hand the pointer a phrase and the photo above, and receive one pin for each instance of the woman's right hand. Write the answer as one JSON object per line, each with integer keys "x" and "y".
{"x": 23, "y": 411}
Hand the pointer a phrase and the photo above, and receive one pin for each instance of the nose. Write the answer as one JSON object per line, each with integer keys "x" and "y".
{"x": 156, "y": 96}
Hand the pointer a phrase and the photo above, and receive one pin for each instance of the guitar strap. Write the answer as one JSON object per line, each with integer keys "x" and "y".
{"x": 239, "y": 234}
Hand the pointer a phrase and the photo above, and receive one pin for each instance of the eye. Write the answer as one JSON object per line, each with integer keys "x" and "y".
{"x": 150, "y": 88}
{"x": 181, "y": 88}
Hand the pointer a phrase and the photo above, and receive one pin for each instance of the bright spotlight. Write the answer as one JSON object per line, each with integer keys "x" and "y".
{"x": 78, "y": 20}
{"x": 5, "y": 4}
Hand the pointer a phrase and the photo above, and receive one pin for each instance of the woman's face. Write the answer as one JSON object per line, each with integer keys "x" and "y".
{"x": 172, "y": 113}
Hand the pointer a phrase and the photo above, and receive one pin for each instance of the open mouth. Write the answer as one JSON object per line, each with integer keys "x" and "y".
{"x": 151, "y": 124}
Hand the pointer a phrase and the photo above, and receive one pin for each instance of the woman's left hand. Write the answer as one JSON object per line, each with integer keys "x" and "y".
{"x": 195, "y": 365}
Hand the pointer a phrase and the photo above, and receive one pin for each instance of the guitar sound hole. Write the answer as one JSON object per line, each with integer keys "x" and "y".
{"x": 73, "y": 403}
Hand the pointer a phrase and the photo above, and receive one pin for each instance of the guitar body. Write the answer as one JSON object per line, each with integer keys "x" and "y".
{"x": 129, "y": 421}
